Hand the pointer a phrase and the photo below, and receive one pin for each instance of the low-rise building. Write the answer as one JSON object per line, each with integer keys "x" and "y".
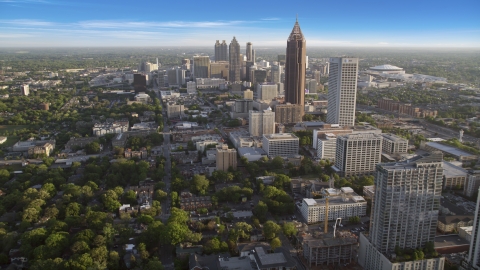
{"x": 280, "y": 145}
{"x": 175, "y": 110}
{"x": 100, "y": 129}
{"x": 369, "y": 191}
{"x": 141, "y": 154}
{"x": 251, "y": 153}
{"x": 79, "y": 142}
{"x": 448, "y": 150}
{"x": 35, "y": 147}
{"x": 343, "y": 203}
{"x": 450, "y": 224}
{"x": 465, "y": 233}
{"x": 194, "y": 203}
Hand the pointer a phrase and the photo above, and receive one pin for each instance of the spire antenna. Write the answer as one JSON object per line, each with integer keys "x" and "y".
{"x": 296, "y": 18}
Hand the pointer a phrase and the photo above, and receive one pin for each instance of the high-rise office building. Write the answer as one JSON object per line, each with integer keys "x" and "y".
{"x": 235, "y": 60}
{"x": 358, "y": 154}
{"x": 201, "y": 67}
{"x": 249, "y": 52}
{"x": 221, "y": 51}
{"x": 295, "y": 68}
{"x": 342, "y": 91}
{"x": 259, "y": 76}
{"x": 404, "y": 214}
{"x": 261, "y": 122}
{"x": 280, "y": 145}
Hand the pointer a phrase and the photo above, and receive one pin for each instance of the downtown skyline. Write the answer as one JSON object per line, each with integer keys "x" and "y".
{"x": 52, "y": 23}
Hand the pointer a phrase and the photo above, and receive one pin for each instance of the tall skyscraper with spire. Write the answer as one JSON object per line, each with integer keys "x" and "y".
{"x": 235, "y": 61}
{"x": 295, "y": 68}
{"x": 221, "y": 51}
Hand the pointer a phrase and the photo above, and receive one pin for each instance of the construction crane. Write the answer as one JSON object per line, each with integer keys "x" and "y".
{"x": 325, "y": 195}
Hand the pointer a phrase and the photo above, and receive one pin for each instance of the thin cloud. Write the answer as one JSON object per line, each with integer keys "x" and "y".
{"x": 383, "y": 43}
{"x": 170, "y": 24}
{"x": 270, "y": 19}
{"x": 26, "y": 22}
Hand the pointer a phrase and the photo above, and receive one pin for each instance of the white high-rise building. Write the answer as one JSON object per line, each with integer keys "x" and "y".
{"x": 404, "y": 214}
{"x": 261, "y": 122}
{"x": 327, "y": 146}
{"x": 25, "y": 89}
{"x": 358, "y": 154}
{"x": 342, "y": 91}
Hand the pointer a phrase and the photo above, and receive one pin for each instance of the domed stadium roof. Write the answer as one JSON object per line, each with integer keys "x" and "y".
{"x": 386, "y": 68}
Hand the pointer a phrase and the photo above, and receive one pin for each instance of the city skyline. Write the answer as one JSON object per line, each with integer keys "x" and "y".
{"x": 45, "y": 23}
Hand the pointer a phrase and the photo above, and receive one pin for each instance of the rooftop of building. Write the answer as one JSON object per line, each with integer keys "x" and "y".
{"x": 319, "y": 239}
{"x": 454, "y": 219}
{"x": 444, "y": 241}
{"x": 433, "y": 157}
{"x": 336, "y": 197}
{"x": 251, "y": 151}
{"x": 393, "y": 137}
{"x": 449, "y": 149}
{"x": 451, "y": 170}
{"x": 362, "y": 136}
{"x": 280, "y": 136}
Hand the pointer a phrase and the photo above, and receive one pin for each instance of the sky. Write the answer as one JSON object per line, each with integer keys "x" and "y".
{"x": 349, "y": 23}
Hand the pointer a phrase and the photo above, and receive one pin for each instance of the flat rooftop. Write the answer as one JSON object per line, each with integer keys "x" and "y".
{"x": 281, "y": 136}
{"x": 450, "y": 170}
{"x": 449, "y": 149}
{"x": 444, "y": 241}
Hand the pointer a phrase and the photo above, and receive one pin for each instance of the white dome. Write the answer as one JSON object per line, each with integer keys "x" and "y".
{"x": 386, "y": 68}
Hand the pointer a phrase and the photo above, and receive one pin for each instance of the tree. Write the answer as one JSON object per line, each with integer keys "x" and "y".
{"x": 130, "y": 197}
{"x": 199, "y": 184}
{"x": 154, "y": 264}
{"x": 72, "y": 209}
{"x": 92, "y": 148}
{"x": 99, "y": 256}
{"x": 289, "y": 229}
{"x": 354, "y": 220}
{"x": 275, "y": 243}
{"x": 56, "y": 243}
{"x": 110, "y": 200}
{"x": 30, "y": 215}
{"x": 160, "y": 195}
{"x": 80, "y": 247}
{"x": 260, "y": 210}
{"x": 270, "y": 229}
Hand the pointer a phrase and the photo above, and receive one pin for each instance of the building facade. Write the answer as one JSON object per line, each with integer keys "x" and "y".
{"x": 288, "y": 113}
{"x": 280, "y": 145}
{"x": 342, "y": 91}
{"x": 261, "y": 122}
{"x": 295, "y": 68}
{"x": 219, "y": 70}
{"x": 175, "y": 110}
{"x": 201, "y": 67}
{"x": 267, "y": 91}
{"x": 358, "y": 154}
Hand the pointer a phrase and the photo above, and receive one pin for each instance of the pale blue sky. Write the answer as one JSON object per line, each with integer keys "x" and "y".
{"x": 370, "y": 23}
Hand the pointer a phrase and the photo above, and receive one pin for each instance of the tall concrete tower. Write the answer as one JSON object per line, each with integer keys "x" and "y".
{"x": 221, "y": 51}
{"x": 295, "y": 68}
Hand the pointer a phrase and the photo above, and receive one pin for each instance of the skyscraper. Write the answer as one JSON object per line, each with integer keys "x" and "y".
{"x": 404, "y": 213}
{"x": 342, "y": 91}
{"x": 249, "y": 53}
{"x": 201, "y": 67}
{"x": 221, "y": 51}
{"x": 235, "y": 61}
{"x": 295, "y": 68}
